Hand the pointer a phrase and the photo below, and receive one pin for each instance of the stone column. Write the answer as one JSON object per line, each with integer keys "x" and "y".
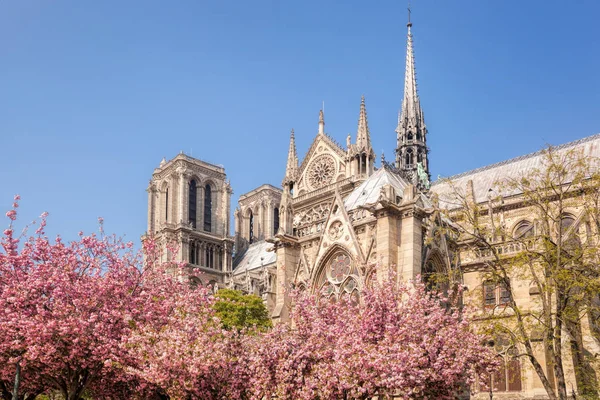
{"x": 151, "y": 211}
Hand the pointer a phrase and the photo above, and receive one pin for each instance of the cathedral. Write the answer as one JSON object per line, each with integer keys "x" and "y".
{"x": 335, "y": 217}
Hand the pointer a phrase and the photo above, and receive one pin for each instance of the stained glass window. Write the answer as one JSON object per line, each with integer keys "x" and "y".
{"x": 339, "y": 267}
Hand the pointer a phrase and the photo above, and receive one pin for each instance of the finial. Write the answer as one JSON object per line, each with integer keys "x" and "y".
{"x": 321, "y": 122}
{"x": 409, "y": 24}
{"x": 382, "y": 157}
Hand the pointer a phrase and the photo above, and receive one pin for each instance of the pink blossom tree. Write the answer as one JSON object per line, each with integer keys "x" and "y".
{"x": 398, "y": 341}
{"x": 186, "y": 351}
{"x": 65, "y": 309}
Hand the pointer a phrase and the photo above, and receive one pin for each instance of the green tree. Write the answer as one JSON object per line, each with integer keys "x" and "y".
{"x": 557, "y": 252}
{"x": 238, "y": 311}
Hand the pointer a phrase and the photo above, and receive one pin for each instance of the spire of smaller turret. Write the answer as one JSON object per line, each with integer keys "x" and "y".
{"x": 291, "y": 168}
{"x": 363, "y": 137}
{"x": 321, "y": 122}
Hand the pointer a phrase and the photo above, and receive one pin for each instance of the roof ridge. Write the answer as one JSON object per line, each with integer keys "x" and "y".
{"x": 519, "y": 158}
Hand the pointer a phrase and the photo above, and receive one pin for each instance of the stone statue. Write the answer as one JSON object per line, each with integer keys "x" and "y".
{"x": 422, "y": 175}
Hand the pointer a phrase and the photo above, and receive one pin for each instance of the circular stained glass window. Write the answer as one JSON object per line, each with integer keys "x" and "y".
{"x": 339, "y": 267}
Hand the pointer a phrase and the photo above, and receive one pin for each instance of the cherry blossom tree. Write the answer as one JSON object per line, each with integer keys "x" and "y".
{"x": 185, "y": 350}
{"x": 399, "y": 340}
{"x": 65, "y": 311}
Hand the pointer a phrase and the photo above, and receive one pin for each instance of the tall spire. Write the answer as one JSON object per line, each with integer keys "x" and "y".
{"x": 291, "y": 168}
{"x": 321, "y": 122}
{"x": 411, "y": 106}
{"x": 411, "y": 131}
{"x": 363, "y": 137}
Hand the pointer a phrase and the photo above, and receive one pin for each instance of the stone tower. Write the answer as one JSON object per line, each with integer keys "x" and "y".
{"x": 189, "y": 206}
{"x": 411, "y": 147}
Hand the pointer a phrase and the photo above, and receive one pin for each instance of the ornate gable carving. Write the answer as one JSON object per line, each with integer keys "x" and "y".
{"x": 324, "y": 164}
{"x": 338, "y": 233}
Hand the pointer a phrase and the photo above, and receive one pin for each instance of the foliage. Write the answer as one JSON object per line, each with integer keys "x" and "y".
{"x": 399, "y": 340}
{"x": 240, "y": 311}
{"x": 558, "y": 256}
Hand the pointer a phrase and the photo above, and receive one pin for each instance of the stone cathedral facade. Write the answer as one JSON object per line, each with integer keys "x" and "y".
{"x": 334, "y": 219}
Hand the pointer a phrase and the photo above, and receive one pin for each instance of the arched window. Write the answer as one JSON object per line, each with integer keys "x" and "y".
{"x": 275, "y": 220}
{"x": 418, "y": 136}
{"x": 207, "y": 208}
{"x": 409, "y": 136}
{"x": 523, "y": 230}
{"x": 251, "y": 228}
{"x": 433, "y": 276}
{"x": 572, "y": 242}
{"x": 566, "y": 221}
{"x": 508, "y": 377}
{"x": 419, "y": 157}
{"x": 409, "y": 157}
{"x": 495, "y": 294}
{"x": 192, "y": 204}
{"x": 167, "y": 205}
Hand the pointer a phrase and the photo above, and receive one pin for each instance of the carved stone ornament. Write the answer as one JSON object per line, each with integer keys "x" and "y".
{"x": 336, "y": 229}
{"x": 321, "y": 171}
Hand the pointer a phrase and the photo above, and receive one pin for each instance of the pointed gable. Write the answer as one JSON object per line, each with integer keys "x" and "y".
{"x": 324, "y": 164}
{"x": 338, "y": 233}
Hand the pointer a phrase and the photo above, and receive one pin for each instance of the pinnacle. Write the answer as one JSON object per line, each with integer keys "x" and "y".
{"x": 363, "y": 136}
{"x": 321, "y": 122}
{"x": 292, "y": 161}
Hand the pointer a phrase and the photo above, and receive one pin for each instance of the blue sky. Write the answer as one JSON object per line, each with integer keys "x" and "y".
{"x": 94, "y": 93}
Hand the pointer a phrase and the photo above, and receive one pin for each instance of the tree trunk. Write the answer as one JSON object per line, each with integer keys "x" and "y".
{"x": 15, "y": 394}
{"x": 561, "y": 385}
{"x": 585, "y": 377}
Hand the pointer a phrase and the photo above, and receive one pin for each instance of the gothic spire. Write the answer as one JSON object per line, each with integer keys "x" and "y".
{"x": 363, "y": 137}
{"x": 291, "y": 168}
{"x": 411, "y": 106}
{"x": 321, "y": 122}
{"x": 411, "y": 149}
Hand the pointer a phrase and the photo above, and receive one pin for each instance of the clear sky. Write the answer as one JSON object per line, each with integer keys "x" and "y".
{"x": 94, "y": 93}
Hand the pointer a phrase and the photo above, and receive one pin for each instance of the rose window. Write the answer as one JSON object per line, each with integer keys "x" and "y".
{"x": 321, "y": 171}
{"x": 339, "y": 267}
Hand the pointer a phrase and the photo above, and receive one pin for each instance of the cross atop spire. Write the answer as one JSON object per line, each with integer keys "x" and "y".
{"x": 363, "y": 136}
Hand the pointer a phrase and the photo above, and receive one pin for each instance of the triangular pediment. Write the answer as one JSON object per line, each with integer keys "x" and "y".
{"x": 324, "y": 164}
{"x": 338, "y": 234}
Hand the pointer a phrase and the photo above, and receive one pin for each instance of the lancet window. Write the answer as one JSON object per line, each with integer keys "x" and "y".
{"x": 275, "y": 220}
{"x": 251, "y": 228}
{"x": 167, "y": 204}
{"x": 207, "y": 208}
{"x": 192, "y": 204}
{"x": 523, "y": 230}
